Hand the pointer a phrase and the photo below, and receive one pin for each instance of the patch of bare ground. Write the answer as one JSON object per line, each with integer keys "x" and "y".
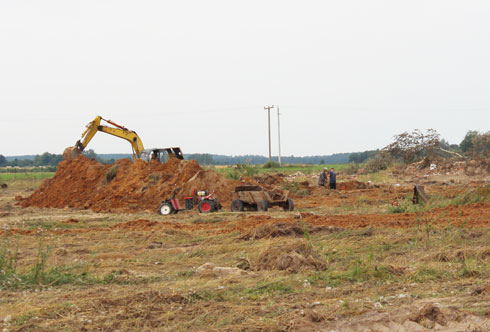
{"x": 341, "y": 262}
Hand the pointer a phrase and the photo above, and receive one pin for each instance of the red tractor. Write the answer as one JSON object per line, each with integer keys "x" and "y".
{"x": 205, "y": 202}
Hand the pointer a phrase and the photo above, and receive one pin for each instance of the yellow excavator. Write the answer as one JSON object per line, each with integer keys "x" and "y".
{"x": 139, "y": 152}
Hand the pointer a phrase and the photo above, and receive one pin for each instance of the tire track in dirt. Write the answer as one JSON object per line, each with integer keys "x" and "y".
{"x": 473, "y": 216}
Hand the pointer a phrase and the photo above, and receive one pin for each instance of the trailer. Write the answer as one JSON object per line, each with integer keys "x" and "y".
{"x": 255, "y": 198}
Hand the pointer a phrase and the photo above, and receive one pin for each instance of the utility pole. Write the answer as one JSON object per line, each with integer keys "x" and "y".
{"x": 268, "y": 108}
{"x": 279, "y": 133}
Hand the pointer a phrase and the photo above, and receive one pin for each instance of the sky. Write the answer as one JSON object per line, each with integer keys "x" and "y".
{"x": 347, "y": 75}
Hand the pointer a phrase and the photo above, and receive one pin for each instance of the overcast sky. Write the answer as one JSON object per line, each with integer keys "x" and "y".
{"x": 347, "y": 75}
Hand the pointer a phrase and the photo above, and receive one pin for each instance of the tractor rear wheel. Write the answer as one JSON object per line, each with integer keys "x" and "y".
{"x": 236, "y": 206}
{"x": 206, "y": 206}
{"x": 166, "y": 209}
{"x": 288, "y": 205}
{"x": 263, "y": 205}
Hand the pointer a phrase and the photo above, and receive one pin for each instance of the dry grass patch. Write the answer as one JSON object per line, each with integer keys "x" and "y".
{"x": 291, "y": 256}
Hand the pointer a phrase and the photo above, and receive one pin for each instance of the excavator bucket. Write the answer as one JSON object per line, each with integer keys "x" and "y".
{"x": 175, "y": 153}
{"x": 71, "y": 152}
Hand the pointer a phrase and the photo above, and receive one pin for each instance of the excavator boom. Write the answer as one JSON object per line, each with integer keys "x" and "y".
{"x": 119, "y": 131}
{"x": 139, "y": 151}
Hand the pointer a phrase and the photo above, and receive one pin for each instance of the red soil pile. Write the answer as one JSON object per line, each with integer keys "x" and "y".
{"x": 130, "y": 186}
{"x": 352, "y": 185}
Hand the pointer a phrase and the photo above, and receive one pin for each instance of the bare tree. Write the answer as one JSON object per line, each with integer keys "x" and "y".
{"x": 414, "y": 146}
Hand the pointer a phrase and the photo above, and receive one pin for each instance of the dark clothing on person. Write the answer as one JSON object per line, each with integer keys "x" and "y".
{"x": 322, "y": 179}
{"x": 333, "y": 180}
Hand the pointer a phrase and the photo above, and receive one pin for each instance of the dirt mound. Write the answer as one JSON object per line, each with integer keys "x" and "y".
{"x": 270, "y": 180}
{"x": 274, "y": 230}
{"x": 140, "y": 224}
{"x": 352, "y": 185}
{"x": 294, "y": 229}
{"x": 292, "y": 257}
{"x": 130, "y": 186}
{"x": 428, "y": 316}
{"x": 477, "y": 167}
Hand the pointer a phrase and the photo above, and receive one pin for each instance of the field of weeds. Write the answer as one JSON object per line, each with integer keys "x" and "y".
{"x": 342, "y": 261}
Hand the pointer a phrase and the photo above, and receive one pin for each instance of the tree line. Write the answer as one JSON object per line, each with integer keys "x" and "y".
{"x": 406, "y": 147}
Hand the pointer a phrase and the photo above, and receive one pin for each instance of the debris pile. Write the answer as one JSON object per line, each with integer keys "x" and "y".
{"x": 125, "y": 185}
{"x": 293, "y": 257}
{"x": 451, "y": 167}
{"x": 352, "y": 185}
{"x": 290, "y": 229}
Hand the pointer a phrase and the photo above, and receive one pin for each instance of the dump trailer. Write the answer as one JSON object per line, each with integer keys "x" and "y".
{"x": 253, "y": 198}
{"x": 139, "y": 152}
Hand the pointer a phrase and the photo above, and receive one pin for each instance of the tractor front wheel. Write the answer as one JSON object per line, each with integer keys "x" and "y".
{"x": 166, "y": 209}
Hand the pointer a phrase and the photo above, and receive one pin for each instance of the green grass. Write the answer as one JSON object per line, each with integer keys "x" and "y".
{"x": 39, "y": 274}
{"x": 25, "y": 176}
{"x": 477, "y": 195}
{"x": 235, "y": 172}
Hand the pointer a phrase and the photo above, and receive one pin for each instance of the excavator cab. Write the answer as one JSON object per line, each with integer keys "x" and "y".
{"x": 161, "y": 155}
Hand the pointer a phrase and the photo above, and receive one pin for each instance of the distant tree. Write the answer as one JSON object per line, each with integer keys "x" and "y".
{"x": 445, "y": 144}
{"x": 322, "y": 162}
{"x": 3, "y": 160}
{"x": 47, "y": 159}
{"x": 480, "y": 145}
{"x": 202, "y": 158}
{"x": 467, "y": 142}
{"x": 413, "y": 146}
{"x": 20, "y": 162}
{"x": 90, "y": 154}
{"x": 361, "y": 157}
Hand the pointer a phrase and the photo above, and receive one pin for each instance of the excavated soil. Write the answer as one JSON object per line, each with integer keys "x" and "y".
{"x": 125, "y": 185}
{"x": 291, "y": 229}
{"x": 291, "y": 257}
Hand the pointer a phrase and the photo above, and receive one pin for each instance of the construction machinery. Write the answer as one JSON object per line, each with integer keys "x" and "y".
{"x": 139, "y": 152}
{"x": 253, "y": 198}
{"x": 205, "y": 202}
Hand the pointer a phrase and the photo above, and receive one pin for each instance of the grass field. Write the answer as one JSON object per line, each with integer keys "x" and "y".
{"x": 234, "y": 172}
{"x": 77, "y": 270}
{"x": 25, "y": 176}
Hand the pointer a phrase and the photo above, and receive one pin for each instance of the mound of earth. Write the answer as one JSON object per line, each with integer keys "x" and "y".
{"x": 292, "y": 229}
{"x": 292, "y": 257}
{"x": 429, "y": 317}
{"x": 352, "y": 185}
{"x": 126, "y": 185}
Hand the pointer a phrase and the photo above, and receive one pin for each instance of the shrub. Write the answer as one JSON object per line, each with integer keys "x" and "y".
{"x": 111, "y": 173}
{"x": 272, "y": 164}
{"x": 292, "y": 187}
{"x": 379, "y": 163}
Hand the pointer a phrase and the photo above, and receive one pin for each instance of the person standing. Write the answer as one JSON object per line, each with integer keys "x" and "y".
{"x": 333, "y": 179}
{"x": 323, "y": 177}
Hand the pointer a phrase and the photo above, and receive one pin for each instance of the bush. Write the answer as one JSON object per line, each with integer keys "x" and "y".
{"x": 272, "y": 164}
{"x": 377, "y": 164}
{"x": 352, "y": 169}
{"x": 247, "y": 169}
{"x": 292, "y": 187}
{"x": 111, "y": 173}
{"x": 233, "y": 174}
